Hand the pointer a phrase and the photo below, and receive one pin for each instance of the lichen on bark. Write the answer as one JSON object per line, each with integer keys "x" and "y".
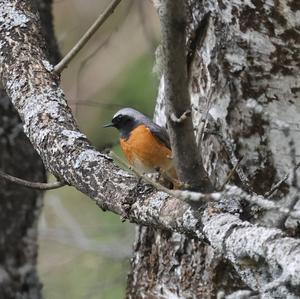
{"x": 224, "y": 78}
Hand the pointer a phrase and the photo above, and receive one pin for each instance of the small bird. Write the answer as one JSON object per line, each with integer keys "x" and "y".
{"x": 145, "y": 144}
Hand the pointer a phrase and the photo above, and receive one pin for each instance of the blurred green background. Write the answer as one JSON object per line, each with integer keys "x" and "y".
{"x": 84, "y": 252}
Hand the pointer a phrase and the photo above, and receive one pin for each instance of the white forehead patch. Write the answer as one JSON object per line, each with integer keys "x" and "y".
{"x": 127, "y": 111}
{"x": 136, "y": 115}
{"x": 116, "y": 114}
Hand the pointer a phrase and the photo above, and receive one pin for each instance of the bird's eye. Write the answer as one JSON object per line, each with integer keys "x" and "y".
{"x": 122, "y": 119}
{"x": 118, "y": 118}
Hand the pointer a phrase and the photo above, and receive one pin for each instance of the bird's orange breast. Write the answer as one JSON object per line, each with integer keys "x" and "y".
{"x": 145, "y": 152}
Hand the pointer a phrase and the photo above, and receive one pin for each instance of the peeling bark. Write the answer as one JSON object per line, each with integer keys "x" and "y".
{"x": 260, "y": 259}
{"x": 243, "y": 59}
{"x": 177, "y": 98}
{"x": 20, "y": 207}
{"x": 19, "y": 210}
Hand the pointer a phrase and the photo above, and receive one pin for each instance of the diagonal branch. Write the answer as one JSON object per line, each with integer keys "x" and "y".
{"x": 186, "y": 156}
{"x": 66, "y": 152}
{"x": 86, "y": 37}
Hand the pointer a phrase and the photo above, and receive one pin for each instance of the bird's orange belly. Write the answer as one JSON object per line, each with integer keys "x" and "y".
{"x": 146, "y": 153}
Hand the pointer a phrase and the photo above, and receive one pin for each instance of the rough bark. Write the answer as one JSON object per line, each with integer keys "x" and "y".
{"x": 272, "y": 257}
{"x": 178, "y": 105}
{"x": 244, "y": 69}
{"x": 20, "y": 207}
{"x": 19, "y": 210}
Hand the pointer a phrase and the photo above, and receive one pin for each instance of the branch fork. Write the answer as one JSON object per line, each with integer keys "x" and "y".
{"x": 78, "y": 163}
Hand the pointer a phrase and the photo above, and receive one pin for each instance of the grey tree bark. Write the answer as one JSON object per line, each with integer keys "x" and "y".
{"x": 244, "y": 70}
{"x": 243, "y": 60}
{"x": 20, "y": 207}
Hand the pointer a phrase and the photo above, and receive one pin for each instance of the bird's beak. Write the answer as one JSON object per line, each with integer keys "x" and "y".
{"x": 108, "y": 125}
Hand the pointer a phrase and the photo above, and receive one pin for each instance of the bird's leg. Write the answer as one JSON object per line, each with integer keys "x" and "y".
{"x": 171, "y": 182}
{"x": 158, "y": 170}
{"x": 139, "y": 181}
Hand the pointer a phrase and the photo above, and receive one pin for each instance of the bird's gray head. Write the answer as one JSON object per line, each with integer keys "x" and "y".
{"x": 126, "y": 119}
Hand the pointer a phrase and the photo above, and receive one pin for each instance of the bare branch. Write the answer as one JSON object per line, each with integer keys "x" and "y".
{"x": 277, "y": 185}
{"x": 85, "y": 60}
{"x": 141, "y": 175}
{"x": 187, "y": 160}
{"x": 231, "y": 173}
{"x": 32, "y": 185}
{"x": 190, "y": 196}
{"x": 185, "y": 195}
{"x": 85, "y": 38}
{"x": 229, "y": 148}
{"x": 271, "y": 205}
{"x": 67, "y": 153}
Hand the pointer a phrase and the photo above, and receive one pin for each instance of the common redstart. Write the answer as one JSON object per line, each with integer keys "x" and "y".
{"x": 145, "y": 144}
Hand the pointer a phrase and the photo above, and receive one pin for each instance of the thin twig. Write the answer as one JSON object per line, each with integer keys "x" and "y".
{"x": 204, "y": 121}
{"x": 141, "y": 175}
{"x": 233, "y": 159}
{"x": 32, "y": 185}
{"x": 231, "y": 173}
{"x": 85, "y": 38}
{"x": 104, "y": 43}
{"x": 270, "y": 205}
{"x": 81, "y": 67}
{"x": 196, "y": 41}
{"x": 277, "y": 185}
{"x": 184, "y": 195}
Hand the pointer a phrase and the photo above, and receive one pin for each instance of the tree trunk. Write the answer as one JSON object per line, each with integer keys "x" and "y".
{"x": 20, "y": 207}
{"x": 243, "y": 61}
